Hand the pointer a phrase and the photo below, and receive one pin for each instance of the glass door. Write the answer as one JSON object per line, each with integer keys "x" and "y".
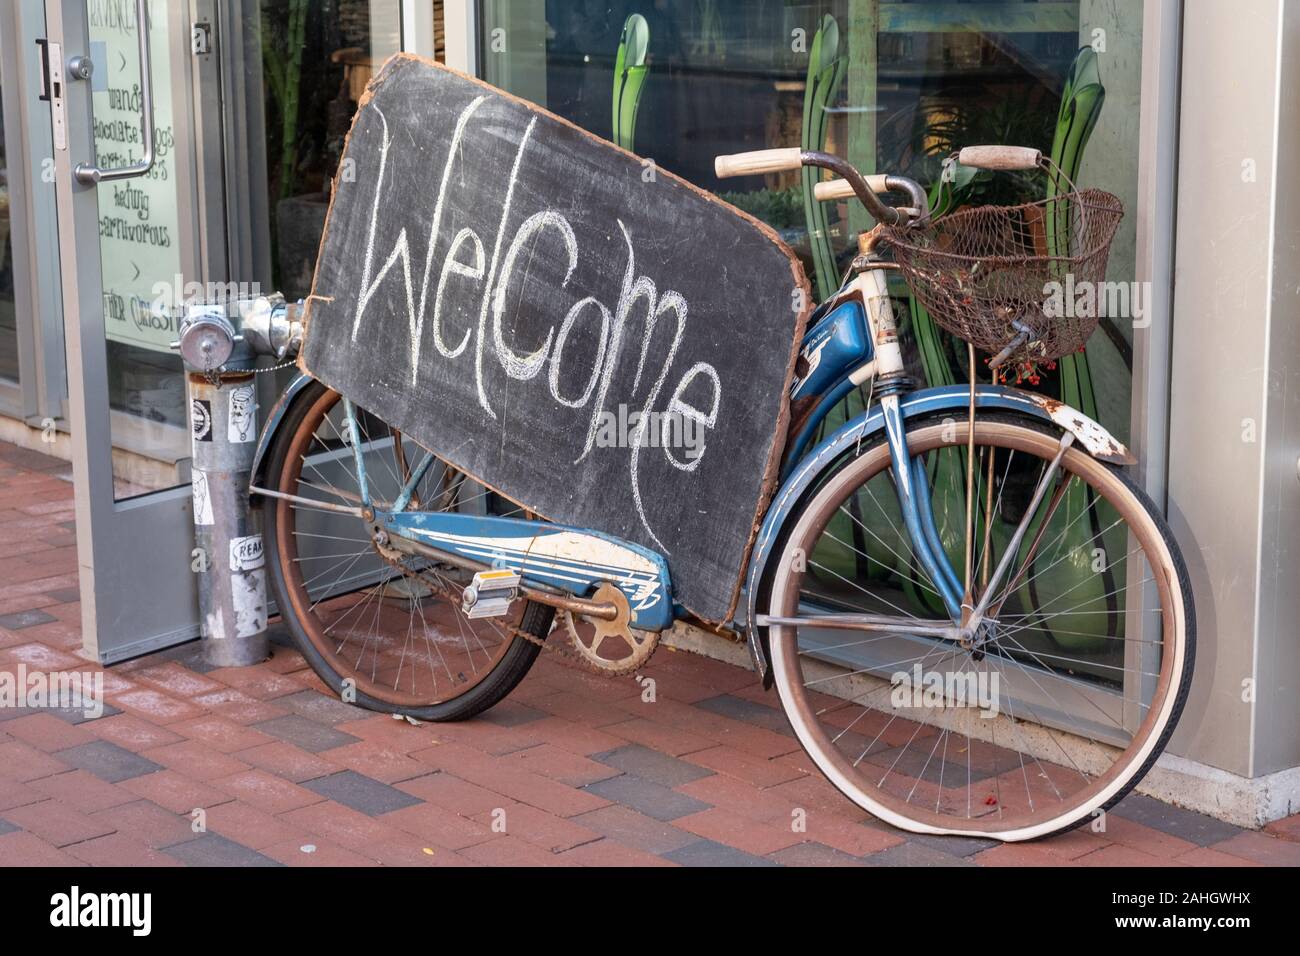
{"x": 136, "y": 127}
{"x": 32, "y": 386}
{"x": 148, "y": 238}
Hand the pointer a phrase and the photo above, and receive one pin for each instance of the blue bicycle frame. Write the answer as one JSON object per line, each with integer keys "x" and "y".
{"x": 850, "y": 340}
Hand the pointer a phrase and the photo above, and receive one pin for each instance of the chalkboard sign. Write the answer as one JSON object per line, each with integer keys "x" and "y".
{"x": 595, "y": 338}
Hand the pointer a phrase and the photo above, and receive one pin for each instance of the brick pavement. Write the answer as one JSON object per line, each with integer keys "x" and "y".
{"x": 262, "y": 767}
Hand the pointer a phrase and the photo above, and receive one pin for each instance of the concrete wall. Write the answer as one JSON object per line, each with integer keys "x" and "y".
{"x": 1233, "y": 491}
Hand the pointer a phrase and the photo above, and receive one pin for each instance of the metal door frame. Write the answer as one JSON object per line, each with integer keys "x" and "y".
{"x": 138, "y": 592}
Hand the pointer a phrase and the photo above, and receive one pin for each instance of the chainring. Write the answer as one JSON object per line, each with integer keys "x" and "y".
{"x": 621, "y": 637}
{"x": 580, "y": 653}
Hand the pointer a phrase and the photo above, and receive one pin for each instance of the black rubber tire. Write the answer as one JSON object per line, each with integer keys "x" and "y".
{"x": 503, "y": 678}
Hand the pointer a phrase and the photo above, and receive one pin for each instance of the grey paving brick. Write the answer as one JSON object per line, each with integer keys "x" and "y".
{"x": 360, "y": 792}
{"x": 646, "y": 797}
{"x": 511, "y": 713}
{"x": 75, "y": 713}
{"x": 637, "y": 830}
{"x": 749, "y": 711}
{"x": 815, "y": 854}
{"x": 65, "y": 595}
{"x": 108, "y": 761}
{"x": 321, "y": 708}
{"x": 307, "y": 734}
{"x": 21, "y": 619}
{"x": 915, "y": 854}
{"x": 954, "y": 845}
{"x": 7, "y": 827}
{"x": 212, "y": 849}
{"x": 652, "y": 765}
{"x": 33, "y": 460}
{"x": 709, "y": 853}
{"x": 1184, "y": 824}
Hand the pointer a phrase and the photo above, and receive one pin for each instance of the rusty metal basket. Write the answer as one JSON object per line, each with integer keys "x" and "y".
{"x": 1012, "y": 280}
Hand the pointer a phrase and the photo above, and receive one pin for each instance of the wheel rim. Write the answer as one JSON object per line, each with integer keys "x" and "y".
{"x": 401, "y": 641}
{"x": 933, "y": 768}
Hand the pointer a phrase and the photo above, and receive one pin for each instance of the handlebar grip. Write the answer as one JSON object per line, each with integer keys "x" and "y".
{"x": 842, "y": 189}
{"x": 759, "y": 161}
{"x": 1000, "y": 157}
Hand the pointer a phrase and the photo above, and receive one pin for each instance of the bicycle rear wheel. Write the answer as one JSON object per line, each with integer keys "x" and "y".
{"x": 387, "y": 631}
{"x": 1081, "y": 676}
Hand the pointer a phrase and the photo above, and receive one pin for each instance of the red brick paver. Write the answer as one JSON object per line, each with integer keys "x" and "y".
{"x": 192, "y": 765}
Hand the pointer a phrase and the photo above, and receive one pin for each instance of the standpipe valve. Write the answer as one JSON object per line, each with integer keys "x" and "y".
{"x": 220, "y": 343}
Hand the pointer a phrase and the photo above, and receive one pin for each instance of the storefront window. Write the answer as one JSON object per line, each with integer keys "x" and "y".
{"x": 893, "y": 87}
{"x": 316, "y": 60}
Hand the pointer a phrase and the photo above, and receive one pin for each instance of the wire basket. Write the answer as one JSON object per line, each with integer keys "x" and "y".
{"x": 1013, "y": 280}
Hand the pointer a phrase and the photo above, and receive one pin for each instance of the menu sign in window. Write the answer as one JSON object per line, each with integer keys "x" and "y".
{"x": 138, "y": 217}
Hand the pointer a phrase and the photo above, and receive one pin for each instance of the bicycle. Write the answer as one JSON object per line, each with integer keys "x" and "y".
{"x": 976, "y": 623}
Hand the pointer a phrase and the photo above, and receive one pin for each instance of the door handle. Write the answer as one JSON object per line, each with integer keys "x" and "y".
{"x": 44, "y": 44}
{"x": 90, "y": 174}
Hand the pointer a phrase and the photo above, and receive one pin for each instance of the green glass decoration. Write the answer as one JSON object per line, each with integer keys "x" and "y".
{"x": 630, "y": 72}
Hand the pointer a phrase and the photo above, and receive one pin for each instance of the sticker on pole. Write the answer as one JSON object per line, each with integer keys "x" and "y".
{"x": 201, "y": 419}
{"x": 202, "y": 498}
{"x": 246, "y": 553}
{"x": 248, "y": 594}
{"x": 242, "y": 420}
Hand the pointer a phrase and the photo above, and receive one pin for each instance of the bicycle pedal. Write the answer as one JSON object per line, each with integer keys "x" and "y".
{"x": 490, "y": 593}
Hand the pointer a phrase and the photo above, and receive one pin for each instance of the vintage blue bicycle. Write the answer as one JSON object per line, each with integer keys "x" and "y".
{"x": 977, "y": 623}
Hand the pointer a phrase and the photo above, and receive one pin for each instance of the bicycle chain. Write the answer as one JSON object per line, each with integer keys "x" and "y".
{"x": 555, "y": 648}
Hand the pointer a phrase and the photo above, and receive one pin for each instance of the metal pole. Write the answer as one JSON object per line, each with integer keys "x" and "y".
{"x": 232, "y": 590}
{"x": 219, "y": 343}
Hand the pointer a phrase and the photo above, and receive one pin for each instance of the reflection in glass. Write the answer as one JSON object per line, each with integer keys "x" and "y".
{"x": 316, "y": 61}
{"x": 140, "y": 223}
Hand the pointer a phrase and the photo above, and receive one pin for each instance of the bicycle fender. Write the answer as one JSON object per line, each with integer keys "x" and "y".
{"x": 273, "y": 421}
{"x": 1096, "y": 440}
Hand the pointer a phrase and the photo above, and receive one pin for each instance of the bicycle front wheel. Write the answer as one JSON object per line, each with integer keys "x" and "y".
{"x": 1069, "y": 694}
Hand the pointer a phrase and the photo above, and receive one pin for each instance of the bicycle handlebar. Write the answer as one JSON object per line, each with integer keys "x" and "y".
{"x": 758, "y": 161}
{"x": 1000, "y": 157}
{"x": 864, "y": 188}
{"x": 832, "y": 189}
